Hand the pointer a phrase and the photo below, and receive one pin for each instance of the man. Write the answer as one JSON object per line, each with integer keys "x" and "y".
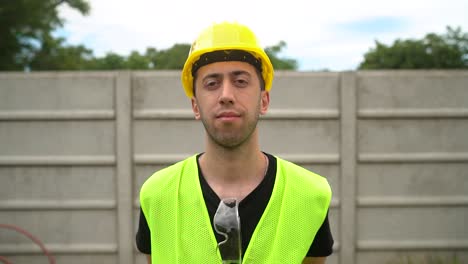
{"x": 233, "y": 203}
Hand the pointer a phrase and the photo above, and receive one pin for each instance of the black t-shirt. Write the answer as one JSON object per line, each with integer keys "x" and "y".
{"x": 251, "y": 209}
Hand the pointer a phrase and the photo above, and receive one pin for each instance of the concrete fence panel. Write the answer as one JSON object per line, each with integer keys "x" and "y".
{"x": 75, "y": 148}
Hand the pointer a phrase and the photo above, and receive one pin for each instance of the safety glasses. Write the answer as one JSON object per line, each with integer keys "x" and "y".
{"x": 227, "y": 223}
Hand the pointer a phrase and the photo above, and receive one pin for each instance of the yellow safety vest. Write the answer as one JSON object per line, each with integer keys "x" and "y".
{"x": 181, "y": 232}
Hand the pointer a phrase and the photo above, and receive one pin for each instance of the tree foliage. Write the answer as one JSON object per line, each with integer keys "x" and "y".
{"x": 445, "y": 51}
{"x": 111, "y": 61}
{"x": 173, "y": 58}
{"x": 27, "y": 43}
{"x": 53, "y": 55}
{"x": 25, "y": 25}
{"x": 280, "y": 63}
{"x": 170, "y": 59}
{"x": 153, "y": 59}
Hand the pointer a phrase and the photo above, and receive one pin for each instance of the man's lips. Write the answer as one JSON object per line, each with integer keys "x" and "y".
{"x": 228, "y": 115}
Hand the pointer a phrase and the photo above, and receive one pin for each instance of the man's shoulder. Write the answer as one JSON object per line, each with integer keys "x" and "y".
{"x": 288, "y": 166}
{"x": 303, "y": 177}
{"x": 167, "y": 174}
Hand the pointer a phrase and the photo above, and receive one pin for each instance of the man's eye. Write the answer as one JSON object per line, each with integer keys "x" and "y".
{"x": 241, "y": 82}
{"x": 211, "y": 83}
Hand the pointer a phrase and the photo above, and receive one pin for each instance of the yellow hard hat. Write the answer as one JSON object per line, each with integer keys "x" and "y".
{"x": 226, "y": 36}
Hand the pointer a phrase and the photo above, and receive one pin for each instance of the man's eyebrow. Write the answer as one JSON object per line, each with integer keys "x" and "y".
{"x": 240, "y": 72}
{"x": 219, "y": 75}
{"x": 212, "y": 75}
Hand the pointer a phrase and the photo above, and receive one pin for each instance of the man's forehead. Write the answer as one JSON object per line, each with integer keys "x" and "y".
{"x": 226, "y": 67}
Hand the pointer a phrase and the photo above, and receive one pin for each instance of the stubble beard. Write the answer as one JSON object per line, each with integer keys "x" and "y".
{"x": 231, "y": 138}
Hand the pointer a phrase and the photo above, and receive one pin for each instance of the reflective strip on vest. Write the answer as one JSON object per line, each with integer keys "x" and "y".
{"x": 181, "y": 232}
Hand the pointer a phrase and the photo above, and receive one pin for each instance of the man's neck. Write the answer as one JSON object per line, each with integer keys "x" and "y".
{"x": 234, "y": 172}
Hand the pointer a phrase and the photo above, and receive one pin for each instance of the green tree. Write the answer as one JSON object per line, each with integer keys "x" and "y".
{"x": 111, "y": 61}
{"x": 171, "y": 59}
{"x": 136, "y": 61}
{"x": 174, "y": 58}
{"x": 26, "y": 42}
{"x": 445, "y": 51}
{"x": 24, "y": 24}
{"x": 280, "y": 63}
{"x": 54, "y": 55}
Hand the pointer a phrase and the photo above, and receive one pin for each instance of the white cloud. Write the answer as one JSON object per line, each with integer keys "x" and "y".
{"x": 309, "y": 28}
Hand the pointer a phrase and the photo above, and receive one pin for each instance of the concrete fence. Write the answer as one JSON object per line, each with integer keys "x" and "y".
{"x": 75, "y": 148}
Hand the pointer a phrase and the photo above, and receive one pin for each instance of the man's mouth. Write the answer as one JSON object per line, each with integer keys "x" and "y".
{"x": 228, "y": 115}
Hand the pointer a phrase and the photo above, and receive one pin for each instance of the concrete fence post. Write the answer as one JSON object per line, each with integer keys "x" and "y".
{"x": 124, "y": 157}
{"x": 348, "y": 167}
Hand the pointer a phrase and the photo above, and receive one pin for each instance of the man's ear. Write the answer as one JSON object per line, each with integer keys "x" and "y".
{"x": 265, "y": 102}
{"x": 195, "y": 108}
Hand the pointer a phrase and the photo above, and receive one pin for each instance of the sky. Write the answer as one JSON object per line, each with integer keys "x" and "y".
{"x": 329, "y": 34}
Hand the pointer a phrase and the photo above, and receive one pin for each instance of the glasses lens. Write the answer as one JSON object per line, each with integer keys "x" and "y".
{"x": 227, "y": 223}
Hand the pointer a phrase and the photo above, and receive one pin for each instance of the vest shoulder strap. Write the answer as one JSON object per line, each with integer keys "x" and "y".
{"x": 295, "y": 212}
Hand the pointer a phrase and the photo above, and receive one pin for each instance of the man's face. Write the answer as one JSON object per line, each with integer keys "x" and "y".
{"x": 229, "y": 101}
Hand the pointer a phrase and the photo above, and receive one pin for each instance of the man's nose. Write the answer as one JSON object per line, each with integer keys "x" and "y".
{"x": 227, "y": 93}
